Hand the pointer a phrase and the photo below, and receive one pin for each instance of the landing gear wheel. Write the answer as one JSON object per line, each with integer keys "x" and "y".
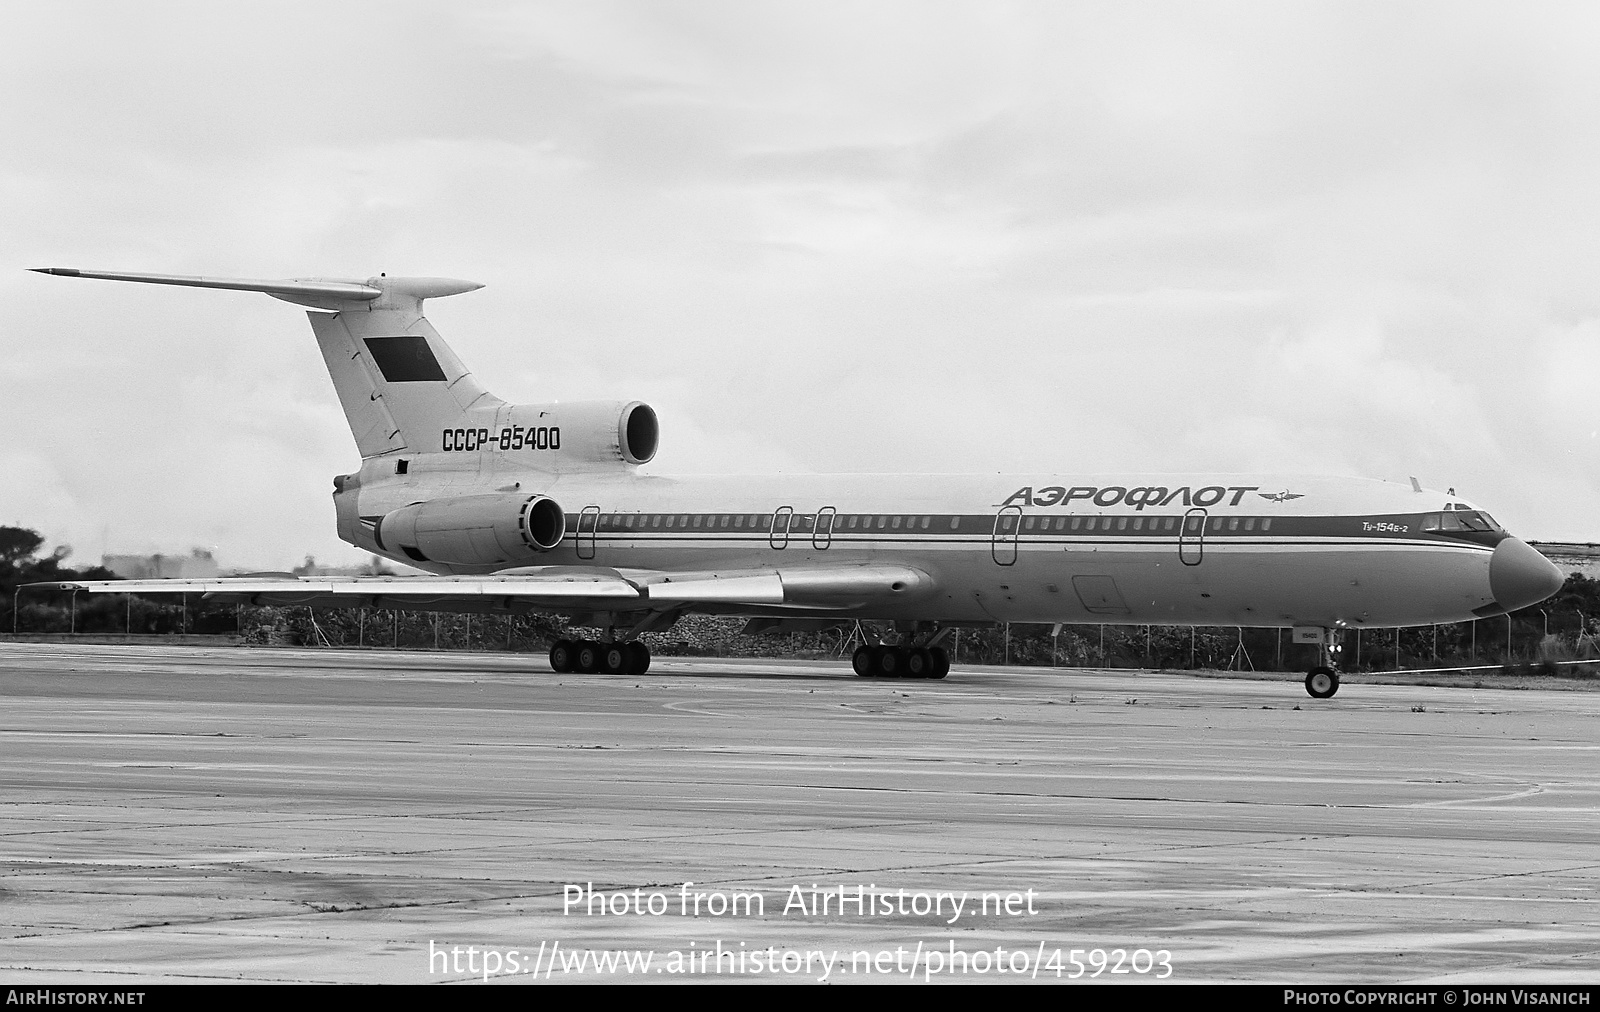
{"x": 561, "y": 656}
{"x": 638, "y": 658}
{"x": 1322, "y": 683}
{"x": 941, "y": 663}
{"x": 614, "y": 658}
{"x": 890, "y": 662}
{"x": 861, "y": 662}
{"x": 589, "y": 657}
{"x": 919, "y": 663}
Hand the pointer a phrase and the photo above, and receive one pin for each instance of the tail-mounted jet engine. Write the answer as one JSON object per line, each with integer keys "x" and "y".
{"x": 578, "y": 435}
{"x": 474, "y": 530}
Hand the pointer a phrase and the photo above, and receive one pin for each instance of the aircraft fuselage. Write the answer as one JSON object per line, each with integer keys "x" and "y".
{"x": 1247, "y": 550}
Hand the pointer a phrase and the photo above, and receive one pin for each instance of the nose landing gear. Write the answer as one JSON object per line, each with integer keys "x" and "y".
{"x": 1322, "y": 681}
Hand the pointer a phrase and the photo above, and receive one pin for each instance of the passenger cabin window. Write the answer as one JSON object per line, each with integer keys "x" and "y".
{"x": 955, "y": 523}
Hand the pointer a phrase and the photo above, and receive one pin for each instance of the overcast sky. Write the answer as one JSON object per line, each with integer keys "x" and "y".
{"x": 1351, "y": 238}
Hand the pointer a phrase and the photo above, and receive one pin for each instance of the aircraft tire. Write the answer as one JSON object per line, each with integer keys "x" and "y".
{"x": 1322, "y": 683}
{"x": 638, "y": 658}
{"x": 861, "y": 662}
{"x": 616, "y": 659}
{"x": 890, "y": 662}
{"x": 941, "y": 663}
{"x": 561, "y": 658}
{"x": 588, "y": 657}
{"x": 919, "y": 663}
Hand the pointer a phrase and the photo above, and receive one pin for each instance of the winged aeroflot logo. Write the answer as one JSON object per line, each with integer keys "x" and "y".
{"x": 1283, "y": 496}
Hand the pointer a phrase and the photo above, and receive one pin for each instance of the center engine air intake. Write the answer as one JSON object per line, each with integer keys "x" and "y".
{"x": 476, "y": 530}
{"x": 638, "y": 433}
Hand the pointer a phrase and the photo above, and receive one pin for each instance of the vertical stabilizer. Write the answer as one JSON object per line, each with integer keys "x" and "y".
{"x": 398, "y": 382}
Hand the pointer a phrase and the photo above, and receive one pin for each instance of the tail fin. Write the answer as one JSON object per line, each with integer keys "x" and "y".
{"x": 398, "y": 382}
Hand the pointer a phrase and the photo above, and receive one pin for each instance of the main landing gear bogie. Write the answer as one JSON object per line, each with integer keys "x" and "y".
{"x": 589, "y": 657}
{"x": 900, "y": 662}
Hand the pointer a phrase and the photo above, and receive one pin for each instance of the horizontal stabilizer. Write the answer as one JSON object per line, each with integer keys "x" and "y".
{"x": 400, "y": 385}
{"x": 332, "y": 294}
{"x": 325, "y": 288}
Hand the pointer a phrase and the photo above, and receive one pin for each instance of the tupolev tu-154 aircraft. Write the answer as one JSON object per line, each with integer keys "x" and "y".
{"x": 515, "y": 508}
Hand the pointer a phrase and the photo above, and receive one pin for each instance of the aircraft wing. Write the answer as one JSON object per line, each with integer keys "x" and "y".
{"x": 803, "y": 588}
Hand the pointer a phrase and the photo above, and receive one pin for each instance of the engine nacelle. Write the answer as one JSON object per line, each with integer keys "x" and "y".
{"x": 474, "y": 530}
{"x": 597, "y": 432}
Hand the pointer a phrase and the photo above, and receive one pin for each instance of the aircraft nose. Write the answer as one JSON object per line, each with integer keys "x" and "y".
{"x": 1520, "y": 576}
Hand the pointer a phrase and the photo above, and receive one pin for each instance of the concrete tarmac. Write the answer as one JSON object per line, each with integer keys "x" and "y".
{"x": 174, "y": 814}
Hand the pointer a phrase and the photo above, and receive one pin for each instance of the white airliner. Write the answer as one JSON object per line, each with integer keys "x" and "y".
{"x": 543, "y": 507}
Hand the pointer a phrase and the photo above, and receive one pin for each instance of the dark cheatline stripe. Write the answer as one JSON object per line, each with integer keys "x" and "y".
{"x": 980, "y": 527}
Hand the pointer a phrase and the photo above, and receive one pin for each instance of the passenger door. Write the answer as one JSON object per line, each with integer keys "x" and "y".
{"x": 1003, "y": 543}
{"x": 822, "y": 534}
{"x": 588, "y": 524}
{"x": 1192, "y": 538}
{"x": 779, "y": 538}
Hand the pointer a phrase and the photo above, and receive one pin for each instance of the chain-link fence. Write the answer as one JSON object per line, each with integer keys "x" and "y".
{"x": 1532, "y": 638}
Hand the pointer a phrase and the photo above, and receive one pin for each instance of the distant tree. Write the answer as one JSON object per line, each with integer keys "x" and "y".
{"x": 20, "y": 562}
{"x": 18, "y": 544}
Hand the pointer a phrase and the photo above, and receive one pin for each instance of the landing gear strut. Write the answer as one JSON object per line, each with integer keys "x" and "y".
{"x": 1322, "y": 681}
{"x": 900, "y": 662}
{"x": 588, "y": 657}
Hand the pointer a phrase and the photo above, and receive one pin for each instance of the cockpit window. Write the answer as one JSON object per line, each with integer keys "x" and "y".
{"x": 1460, "y": 520}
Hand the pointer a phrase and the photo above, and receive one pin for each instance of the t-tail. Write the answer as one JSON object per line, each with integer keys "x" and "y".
{"x": 405, "y": 393}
